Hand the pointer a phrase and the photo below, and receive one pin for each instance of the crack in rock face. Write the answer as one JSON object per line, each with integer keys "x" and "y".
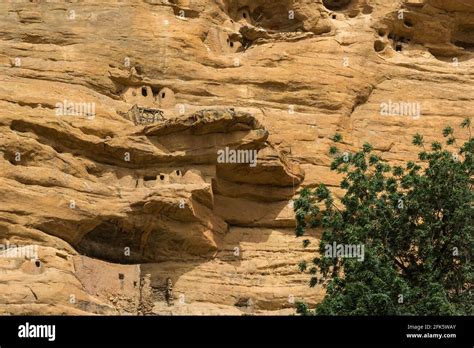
{"x": 151, "y": 152}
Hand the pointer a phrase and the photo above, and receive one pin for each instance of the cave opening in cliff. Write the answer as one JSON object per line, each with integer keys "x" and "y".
{"x": 465, "y": 45}
{"x": 108, "y": 240}
{"x": 37, "y": 263}
{"x": 155, "y": 91}
{"x": 144, "y": 92}
{"x": 398, "y": 47}
{"x": 463, "y": 37}
{"x": 149, "y": 177}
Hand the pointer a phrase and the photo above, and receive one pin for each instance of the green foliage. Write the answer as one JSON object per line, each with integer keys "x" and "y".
{"x": 415, "y": 223}
{"x": 302, "y": 308}
{"x": 337, "y": 138}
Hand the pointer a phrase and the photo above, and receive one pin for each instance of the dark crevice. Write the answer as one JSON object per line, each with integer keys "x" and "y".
{"x": 336, "y": 5}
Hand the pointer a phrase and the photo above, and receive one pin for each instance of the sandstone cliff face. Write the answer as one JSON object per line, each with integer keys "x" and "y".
{"x": 113, "y": 116}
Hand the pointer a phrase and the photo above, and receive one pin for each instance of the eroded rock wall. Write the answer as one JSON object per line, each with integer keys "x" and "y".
{"x": 112, "y": 116}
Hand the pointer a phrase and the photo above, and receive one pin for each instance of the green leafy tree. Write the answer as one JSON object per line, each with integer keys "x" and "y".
{"x": 415, "y": 223}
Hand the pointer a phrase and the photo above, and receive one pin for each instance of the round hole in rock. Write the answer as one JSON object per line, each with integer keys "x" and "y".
{"x": 163, "y": 95}
{"x": 379, "y": 46}
{"x": 231, "y": 44}
{"x": 37, "y": 263}
{"x": 244, "y": 15}
{"x": 335, "y": 5}
{"x": 398, "y": 47}
{"x": 178, "y": 172}
{"x": 162, "y": 177}
{"x": 334, "y": 16}
{"x": 408, "y": 23}
{"x": 382, "y": 32}
{"x": 144, "y": 92}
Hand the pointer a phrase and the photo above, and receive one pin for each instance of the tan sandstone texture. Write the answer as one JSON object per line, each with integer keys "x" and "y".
{"x": 113, "y": 199}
